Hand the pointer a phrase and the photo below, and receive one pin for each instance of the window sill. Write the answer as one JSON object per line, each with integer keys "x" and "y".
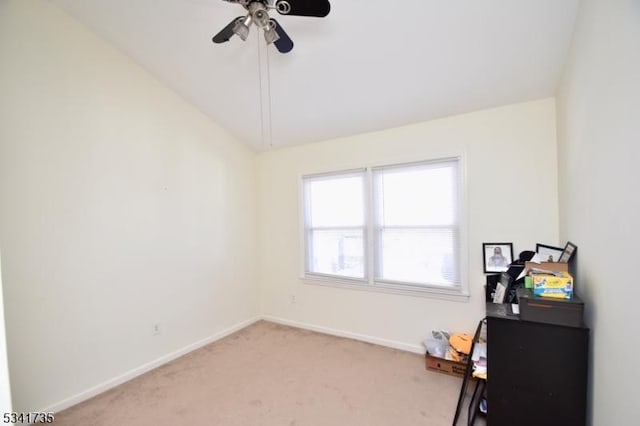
{"x": 430, "y": 292}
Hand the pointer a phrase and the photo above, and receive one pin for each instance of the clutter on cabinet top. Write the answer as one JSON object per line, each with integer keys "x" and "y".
{"x": 567, "y": 312}
{"x": 549, "y": 279}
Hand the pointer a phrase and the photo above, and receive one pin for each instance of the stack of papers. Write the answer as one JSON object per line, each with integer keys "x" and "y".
{"x": 479, "y": 358}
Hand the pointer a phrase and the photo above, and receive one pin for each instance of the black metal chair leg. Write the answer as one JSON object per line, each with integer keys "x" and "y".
{"x": 467, "y": 373}
{"x": 475, "y": 401}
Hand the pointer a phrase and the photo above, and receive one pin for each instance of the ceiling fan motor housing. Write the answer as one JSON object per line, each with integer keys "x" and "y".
{"x": 259, "y": 13}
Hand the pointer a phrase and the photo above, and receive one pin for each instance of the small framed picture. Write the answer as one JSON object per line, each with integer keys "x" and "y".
{"x": 497, "y": 256}
{"x": 549, "y": 253}
{"x": 568, "y": 252}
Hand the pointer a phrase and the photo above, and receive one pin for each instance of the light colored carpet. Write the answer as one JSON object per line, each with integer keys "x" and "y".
{"x": 269, "y": 374}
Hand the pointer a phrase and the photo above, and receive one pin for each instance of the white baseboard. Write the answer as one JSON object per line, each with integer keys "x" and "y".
{"x": 418, "y": 349}
{"x": 118, "y": 380}
{"x": 109, "y": 384}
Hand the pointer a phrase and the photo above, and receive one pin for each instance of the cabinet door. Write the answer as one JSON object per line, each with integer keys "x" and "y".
{"x": 537, "y": 373}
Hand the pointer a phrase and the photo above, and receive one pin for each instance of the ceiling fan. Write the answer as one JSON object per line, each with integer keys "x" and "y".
{"x": 258, "y": 14}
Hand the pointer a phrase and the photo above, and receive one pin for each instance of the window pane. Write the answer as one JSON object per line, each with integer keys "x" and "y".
{"x": 417, "y": 195}
{"x": 421, "y": 256}
{"x": 335, "y": 201}
{"x": 337, "y": 252}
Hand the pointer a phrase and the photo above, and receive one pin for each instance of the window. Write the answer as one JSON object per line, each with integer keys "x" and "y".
{"x": 391, "y": 227}
{"x": 335, "y": 224}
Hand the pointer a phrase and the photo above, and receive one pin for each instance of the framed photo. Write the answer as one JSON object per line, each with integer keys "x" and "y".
{"x": 549, "y": 253}
{"x": 497, "y": 256}
{"x": 567, "y": 253}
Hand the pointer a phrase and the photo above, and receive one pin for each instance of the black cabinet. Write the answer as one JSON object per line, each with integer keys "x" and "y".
{"x": 537, "y": 373}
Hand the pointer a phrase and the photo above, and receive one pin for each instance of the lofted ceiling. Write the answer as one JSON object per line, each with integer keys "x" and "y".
{"x": 368, "y": 66}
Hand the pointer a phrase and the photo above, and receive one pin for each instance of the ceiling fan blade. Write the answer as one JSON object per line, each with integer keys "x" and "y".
{"x": 284, "y": 44}
{"x": 227, "y": 32}
{"x": 317, "y": 8}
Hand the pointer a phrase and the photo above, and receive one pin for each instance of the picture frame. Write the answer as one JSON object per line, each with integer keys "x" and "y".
{"x": 568, "y": 252}
{"x": 496, "y": 257}
{"x": 549, "y": 253}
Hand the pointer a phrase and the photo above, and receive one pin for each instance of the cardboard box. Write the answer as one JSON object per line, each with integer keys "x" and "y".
{"x": 544, "y": 267}
{"x": 547, "y": 266}
{"x": 556, "y": 286}
{"x": 452, "y": 368}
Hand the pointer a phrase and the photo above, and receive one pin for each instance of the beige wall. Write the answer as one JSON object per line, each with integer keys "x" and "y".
{"x": 599, "y": 149}
{"x": 121, "y": 207}
{"x": 510, "y": 158}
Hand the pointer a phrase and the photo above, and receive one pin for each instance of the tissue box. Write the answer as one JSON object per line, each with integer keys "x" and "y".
{"x": 558, "y": 286}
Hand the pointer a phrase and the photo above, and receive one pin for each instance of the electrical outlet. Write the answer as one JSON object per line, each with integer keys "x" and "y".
{"x": 155, "y": 329}
{"x": 293, "y": 299}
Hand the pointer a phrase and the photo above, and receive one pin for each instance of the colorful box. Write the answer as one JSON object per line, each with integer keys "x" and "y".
{"x": 558, "y": 285}
{"x": 528, "y": 282}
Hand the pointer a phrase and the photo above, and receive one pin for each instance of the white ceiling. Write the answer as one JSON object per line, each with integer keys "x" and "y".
{"x": 369, "y": 65}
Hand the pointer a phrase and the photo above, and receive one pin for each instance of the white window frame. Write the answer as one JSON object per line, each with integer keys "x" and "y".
{"x": 369, "y": 283}
{"x": 308, "y": 230}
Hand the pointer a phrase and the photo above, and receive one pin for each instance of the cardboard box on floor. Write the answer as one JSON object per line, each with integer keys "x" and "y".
{"x": 452, "y": 368}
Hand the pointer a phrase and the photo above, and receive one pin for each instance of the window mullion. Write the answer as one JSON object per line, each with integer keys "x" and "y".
{"x": 309, "y": 249}
{"x": 370, "y": 224}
